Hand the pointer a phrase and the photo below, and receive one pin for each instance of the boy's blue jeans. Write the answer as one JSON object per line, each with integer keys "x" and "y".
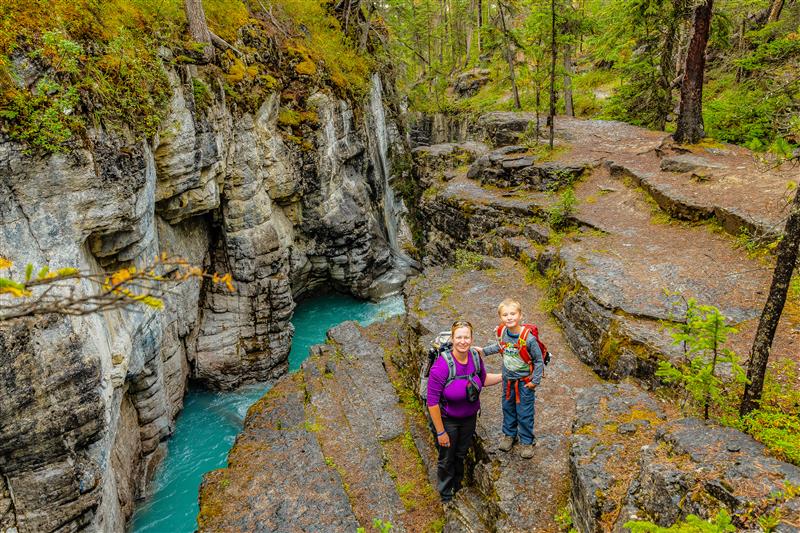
{"x": 518, "y": 417}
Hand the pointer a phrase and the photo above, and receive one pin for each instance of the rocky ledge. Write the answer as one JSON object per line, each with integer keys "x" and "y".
{"x": 327, "y": 449}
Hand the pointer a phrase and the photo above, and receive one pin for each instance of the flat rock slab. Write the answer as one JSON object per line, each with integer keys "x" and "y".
{"x": 353, "y": 408}
{"x": 277, "y": 478}
{"x": 685, "y": 466}
{"x": 508, "y": 493}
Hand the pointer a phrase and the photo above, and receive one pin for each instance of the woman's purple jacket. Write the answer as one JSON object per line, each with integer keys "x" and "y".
{"x": 453, "y": 399}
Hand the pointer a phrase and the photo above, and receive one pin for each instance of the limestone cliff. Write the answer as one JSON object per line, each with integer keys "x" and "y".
{"x": 89, "y": 401}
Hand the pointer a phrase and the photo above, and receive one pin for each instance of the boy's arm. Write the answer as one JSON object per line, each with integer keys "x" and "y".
{"x": 490, "y": 349}
{"x": 538, "y": 361}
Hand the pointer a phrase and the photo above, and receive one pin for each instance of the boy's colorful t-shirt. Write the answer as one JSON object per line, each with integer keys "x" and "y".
{"x": 513, "y": 365}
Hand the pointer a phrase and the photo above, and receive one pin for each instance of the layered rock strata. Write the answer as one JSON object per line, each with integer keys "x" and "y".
{"x": 89, "y": 401}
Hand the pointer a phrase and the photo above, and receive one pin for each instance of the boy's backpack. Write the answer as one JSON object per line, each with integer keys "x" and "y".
{"x": 527, "y": 329}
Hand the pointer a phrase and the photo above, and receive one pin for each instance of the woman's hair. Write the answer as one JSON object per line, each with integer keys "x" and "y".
{"x": 460, "y": 324}
{"x": 508, "y": 302}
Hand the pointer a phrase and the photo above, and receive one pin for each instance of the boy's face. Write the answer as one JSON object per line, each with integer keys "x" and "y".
{"x": 510, "y": 316}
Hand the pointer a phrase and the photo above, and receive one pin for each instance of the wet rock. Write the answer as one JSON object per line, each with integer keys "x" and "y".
{"x": 315, "y": 444}
{"x": 687, "y": 163}
{"x": 431, "y": 161}
{"x": 664, "y": 471}
{"x": 602, "y": 459}
{"x": 426, "y": 129}
{"x": 511, "y": 166}
{"x": 502, "y": 128}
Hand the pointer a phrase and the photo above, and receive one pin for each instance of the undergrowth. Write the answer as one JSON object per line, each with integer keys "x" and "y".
{"x": 69, "y": 66}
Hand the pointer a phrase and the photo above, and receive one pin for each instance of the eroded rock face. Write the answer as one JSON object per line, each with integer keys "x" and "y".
{"x": 685, "y": 466}
{"x": 89, "y": 402}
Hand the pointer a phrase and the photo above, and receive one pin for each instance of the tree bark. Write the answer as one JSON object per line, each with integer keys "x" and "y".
{"x": 775, "y": 10}
{"x": 198, "y": 26}
{"x": 509, "y": 58}
{"x": 553, "y": 53}
{"x": 784, "y": 267}
{"x": 568, "y": 107}
{"x": 690, "y": 117}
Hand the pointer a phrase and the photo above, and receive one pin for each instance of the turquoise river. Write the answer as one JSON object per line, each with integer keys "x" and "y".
{"x": 210, "y": 421}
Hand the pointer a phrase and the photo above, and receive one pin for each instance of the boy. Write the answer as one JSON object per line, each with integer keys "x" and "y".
{"x": 520, "y": 377}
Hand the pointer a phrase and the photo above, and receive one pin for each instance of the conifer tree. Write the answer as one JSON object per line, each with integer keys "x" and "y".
{"x": 690, "y": 117}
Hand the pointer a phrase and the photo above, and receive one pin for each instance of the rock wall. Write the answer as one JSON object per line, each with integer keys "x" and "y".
{"x": 88, "y": 402}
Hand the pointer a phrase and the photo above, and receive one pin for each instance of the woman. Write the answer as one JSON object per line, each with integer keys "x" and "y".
{"x": 455, "y": 382}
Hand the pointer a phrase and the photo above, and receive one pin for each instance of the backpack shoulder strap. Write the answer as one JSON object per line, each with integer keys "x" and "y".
{"x": 476, "y": 362}
{"x": 451, "y": 366}
{"x": 527, "y": 329}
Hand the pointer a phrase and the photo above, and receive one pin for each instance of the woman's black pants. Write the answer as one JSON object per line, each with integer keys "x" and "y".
{"x": 451, "y": 459}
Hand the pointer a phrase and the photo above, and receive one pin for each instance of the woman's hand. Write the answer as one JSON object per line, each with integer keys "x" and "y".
{"x": 444, "y": 440}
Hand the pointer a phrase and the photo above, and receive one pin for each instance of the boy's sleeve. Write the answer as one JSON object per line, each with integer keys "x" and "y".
{"x": 536, "y": 357}
{"x": 436, "y": 380}
{"x": 490, "y": 349}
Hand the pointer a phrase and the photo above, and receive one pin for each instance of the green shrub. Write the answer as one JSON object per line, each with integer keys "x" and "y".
{"x": 703, "y": 336}
{"x": 467, "y": 260}
{"x": 722, "y": 523}
{"x": 559, "y": 214}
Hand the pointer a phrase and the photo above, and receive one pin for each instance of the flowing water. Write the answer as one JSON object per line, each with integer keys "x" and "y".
{"x": 208, "y": 425}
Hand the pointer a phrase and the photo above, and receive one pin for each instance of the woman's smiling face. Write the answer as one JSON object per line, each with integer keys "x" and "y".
{"x": 462, "y": 339}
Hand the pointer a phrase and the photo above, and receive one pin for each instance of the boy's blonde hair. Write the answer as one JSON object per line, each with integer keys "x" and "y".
{"x": 508, "y": 302}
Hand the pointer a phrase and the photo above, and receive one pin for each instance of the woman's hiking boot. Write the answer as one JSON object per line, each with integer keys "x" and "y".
{"x": 506, "y": 443}
{"x": 526, "y": 451}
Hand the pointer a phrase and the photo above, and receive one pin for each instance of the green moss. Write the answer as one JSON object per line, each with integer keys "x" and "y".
{"x": 202, "y": 95}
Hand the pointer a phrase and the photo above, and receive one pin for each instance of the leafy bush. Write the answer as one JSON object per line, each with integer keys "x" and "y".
{"x": 467, "y": 260}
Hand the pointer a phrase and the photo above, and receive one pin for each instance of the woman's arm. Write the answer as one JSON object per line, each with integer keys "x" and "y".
{"x": 436, "y": 416}
{"x": 492, "y": 379}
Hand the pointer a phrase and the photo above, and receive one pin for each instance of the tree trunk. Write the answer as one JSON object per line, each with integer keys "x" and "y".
{"x": 469, "y": 30}
{"x": 553, "y": 53}
{"x": 480, "y": 25}
{"x": 690, "y": 117}
{"x": 198, "y": 26}
{"x": 784, "y": 266}
{"x": 509, "y": 58}
{"x": 568, "y": 108}
{"x": 775, "y": 10}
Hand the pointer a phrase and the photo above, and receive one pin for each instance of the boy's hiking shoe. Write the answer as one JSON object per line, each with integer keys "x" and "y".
{"x": 506, "y": 443}
{"x": 526, "y": 451}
